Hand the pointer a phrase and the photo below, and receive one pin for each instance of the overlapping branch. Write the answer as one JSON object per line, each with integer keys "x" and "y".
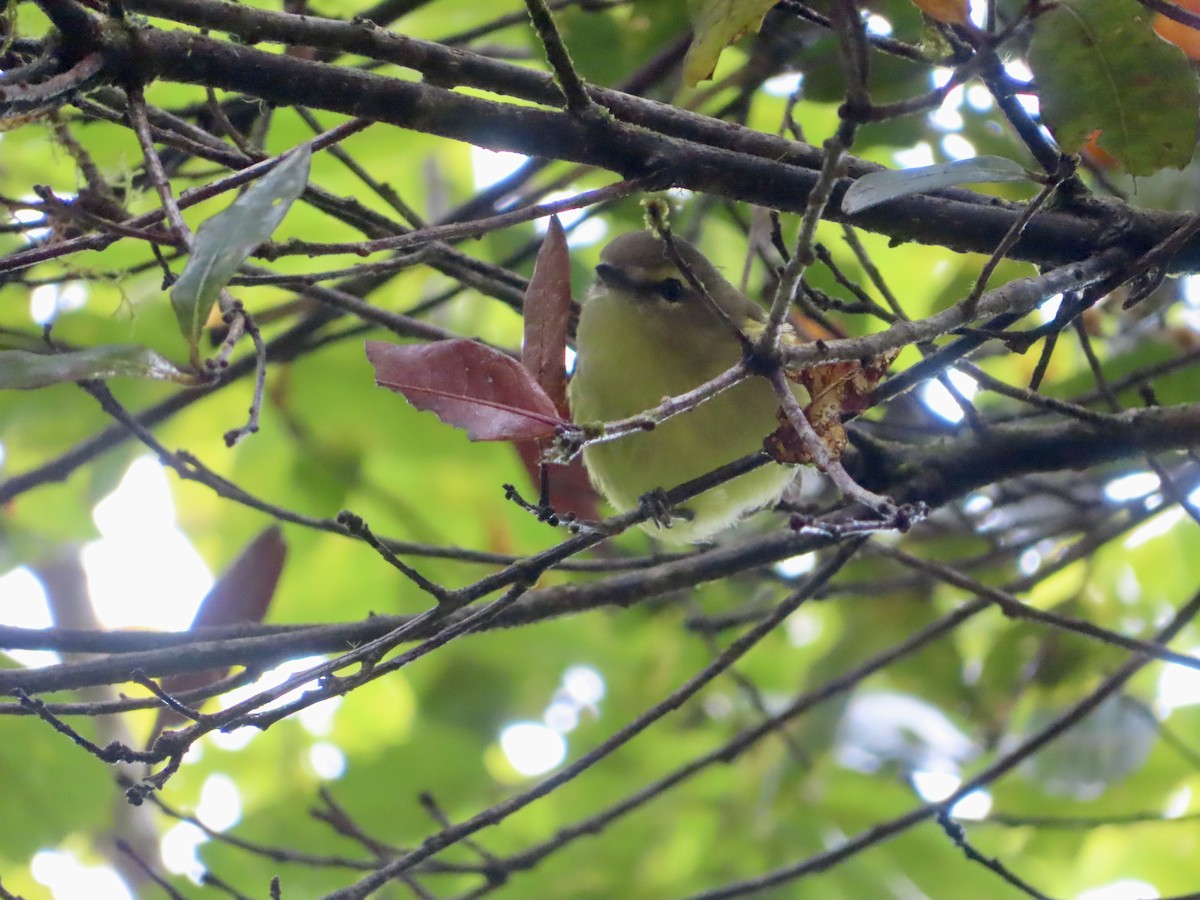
{"x": 1058, "y": 452}
{"x": 643, "y": 139}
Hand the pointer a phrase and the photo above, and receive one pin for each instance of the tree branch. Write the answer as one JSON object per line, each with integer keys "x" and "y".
{"x": 644, "y": 139}
{"x": 933, "y": 475}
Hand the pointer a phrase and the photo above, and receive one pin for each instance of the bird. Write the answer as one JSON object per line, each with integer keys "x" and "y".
{"x": 644, "y": 334}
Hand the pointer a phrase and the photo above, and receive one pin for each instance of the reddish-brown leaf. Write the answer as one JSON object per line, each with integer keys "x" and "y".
{"x": 543, "y": 353}
{"x": 242, "y": 594}
{"x": 547, "y": 314}
{"x": 468, "y": 385}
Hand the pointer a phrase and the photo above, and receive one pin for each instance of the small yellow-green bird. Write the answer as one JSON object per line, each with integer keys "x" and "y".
{"x": 645, "y": 334}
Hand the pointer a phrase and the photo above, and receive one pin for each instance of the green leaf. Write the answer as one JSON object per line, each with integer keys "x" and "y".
{"x": 1110, "y": 744}
{"x": 1100, "y": 67}
{"x": 21, "y": 370}
{"x": 879, "y": 187}
{"x": 225, "y": 241}
{"x": 58, "y": 763}
{"x": 717, "y": 24}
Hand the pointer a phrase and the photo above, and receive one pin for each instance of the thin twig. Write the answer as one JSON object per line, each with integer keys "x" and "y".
{"x": 356, "y": 526}
{"x": 148, "y": 870}
{"x": 239, "y": 320}
{"x": 137, "y": 676}
{"x": 850, "y": 235}
{"x": 154, "y": 166}
{"x": 729, "y": 751}
{"x": 1006, "y": 763}
{"x": 1041, "y": 401}
{"x": 1014, "y": 608}
{"x": 971, "y": 303}
{"x": 820, "y": 454}
{"x": 656, "y": 214}
{"x": 456, "y": 231}
{"x": 572, "y": 86}
{"x": 958, "y": 835}
{"x": 852, "y": 46}
{"x": 673, "y": 701}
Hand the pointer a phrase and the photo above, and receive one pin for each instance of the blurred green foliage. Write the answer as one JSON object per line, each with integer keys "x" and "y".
{"x": 330, "y": 440}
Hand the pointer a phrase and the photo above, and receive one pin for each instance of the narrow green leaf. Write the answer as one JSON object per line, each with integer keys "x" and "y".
{"x": 1100, "y": 67}
{"x": 22, "y": 370}
{"x": 879, "y": 187}
{"x": 716, "y": 24}
{"x": 225, "y": 241}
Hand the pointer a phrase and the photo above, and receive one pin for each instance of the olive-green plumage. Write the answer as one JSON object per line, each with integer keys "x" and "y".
{"x": 645, "y": 334}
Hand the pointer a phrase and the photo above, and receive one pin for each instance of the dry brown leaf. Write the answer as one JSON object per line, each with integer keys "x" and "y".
{"x": 835, "y": 388}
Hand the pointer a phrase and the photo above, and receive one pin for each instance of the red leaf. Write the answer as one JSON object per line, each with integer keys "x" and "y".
{"x": 543, "y": 353}
{"x": 468, "y": 385}
{"x": 547, "y": 314}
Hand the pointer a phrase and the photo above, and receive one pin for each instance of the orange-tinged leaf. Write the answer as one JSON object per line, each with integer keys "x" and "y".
{"x": 1099, "y": 66}
{"x": 1182, "y": 36}
{"x": 953, "y": 12}
{"x": 1097, "y": 155}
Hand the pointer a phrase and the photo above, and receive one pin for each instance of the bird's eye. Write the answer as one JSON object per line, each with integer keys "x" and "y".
{"x": 670, "y": 289}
